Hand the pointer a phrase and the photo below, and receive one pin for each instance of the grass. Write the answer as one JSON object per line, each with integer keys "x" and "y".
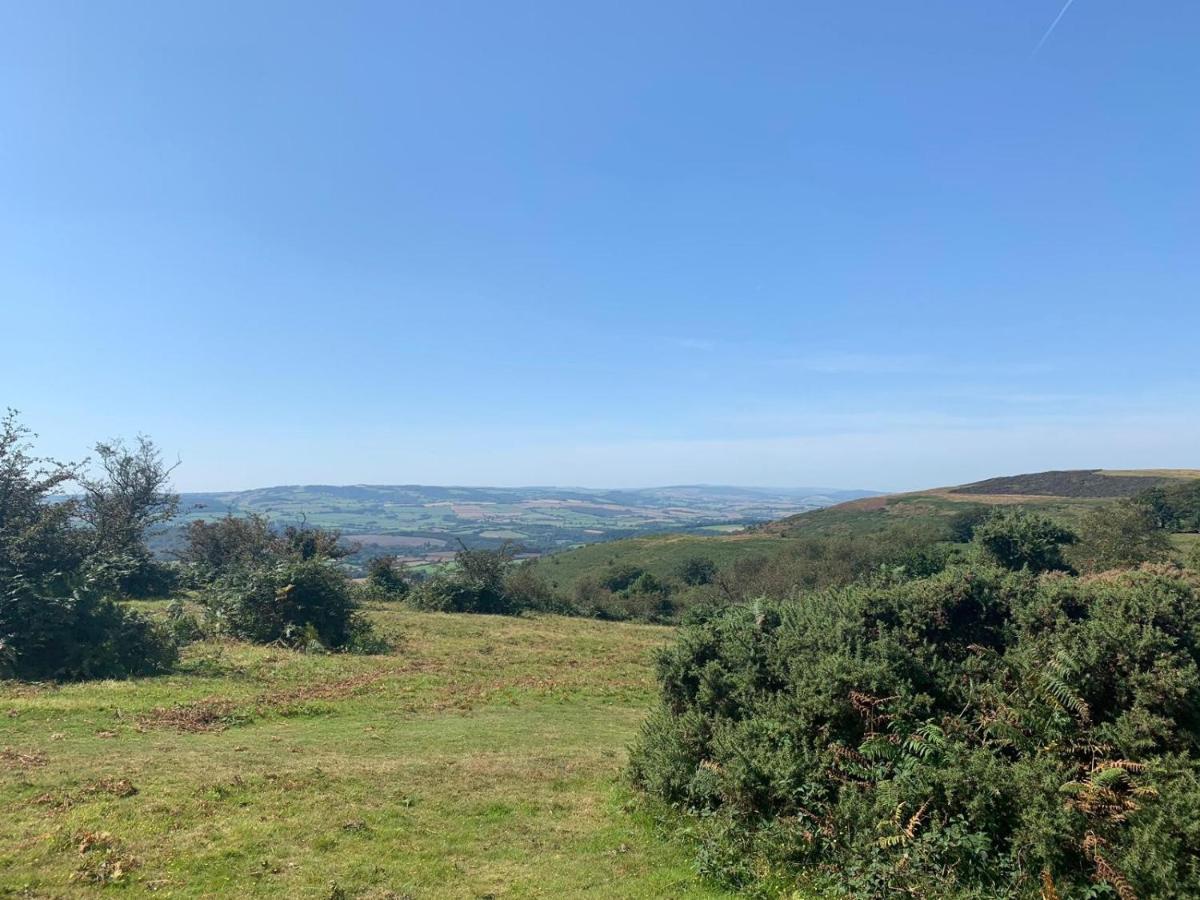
{"x": 481, "y": 758}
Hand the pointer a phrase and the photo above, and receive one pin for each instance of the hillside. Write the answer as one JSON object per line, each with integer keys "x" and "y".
{"x": 423, "y": 524}
{"x": 1064, "y": 495}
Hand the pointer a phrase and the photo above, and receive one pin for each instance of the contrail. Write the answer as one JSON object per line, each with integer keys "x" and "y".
{"x": 1049, "y": 31}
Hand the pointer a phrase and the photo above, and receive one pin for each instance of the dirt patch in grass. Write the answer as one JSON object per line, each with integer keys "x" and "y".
{"x": 209, "y": 714}
{"x": 103, "y": 859}
{"x": 63, "y": 800}
{"x": 22, "y": 759}
{"x": 333, "y": 690}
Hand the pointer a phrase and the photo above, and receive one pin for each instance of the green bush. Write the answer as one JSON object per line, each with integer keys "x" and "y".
{"x": 979, "y": 733}
{"x": 386, "y": 577}
{"x": 1120, "y": 535}
{"x": 1017, "y": 539}
{"x": 58, "y": 628}
{"x": 294, "y": 602}
{"x": 489, "y": 582}
{"x": 697, "y": 570}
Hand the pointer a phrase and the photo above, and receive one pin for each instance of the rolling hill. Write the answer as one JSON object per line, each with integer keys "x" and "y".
{"x": 1063, "y": 495}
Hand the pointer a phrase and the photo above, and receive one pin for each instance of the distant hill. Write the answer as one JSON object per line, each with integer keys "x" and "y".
{"x": 424, "y": 523}
{"x": 1065, "y": 495}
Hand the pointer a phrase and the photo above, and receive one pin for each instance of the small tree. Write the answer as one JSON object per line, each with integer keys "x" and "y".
{"x": 56, "y": 621}
{"x": 36, "y": 536}
{"x": 386, "y": 575}
{"x": 1120, "y": 535}
{"x": 306, "y": 542}
{"x": 230, "y": 543}
{"x": 121, "y": 504}
{"x": 621, "y": 577}
{"x": 697, "y": 570}
{"x": 962, "y": 524}
{"x": 1017, "y": 539}
{"x": 477, "y": 585}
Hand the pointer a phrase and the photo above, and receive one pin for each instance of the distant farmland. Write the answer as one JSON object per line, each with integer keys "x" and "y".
{"x": 425, "y": 524}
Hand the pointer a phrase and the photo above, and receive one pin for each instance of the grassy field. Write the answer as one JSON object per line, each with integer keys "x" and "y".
{"x": 481, "y": 758}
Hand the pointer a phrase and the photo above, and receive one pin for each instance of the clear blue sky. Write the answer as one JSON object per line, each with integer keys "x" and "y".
{"x": 868, "y": 244}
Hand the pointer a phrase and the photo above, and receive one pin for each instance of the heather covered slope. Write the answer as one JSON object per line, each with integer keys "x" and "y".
{"x": 1065, "y": 495}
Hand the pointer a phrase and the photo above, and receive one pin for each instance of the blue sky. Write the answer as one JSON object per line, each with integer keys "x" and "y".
{"x": 609, "y": 244}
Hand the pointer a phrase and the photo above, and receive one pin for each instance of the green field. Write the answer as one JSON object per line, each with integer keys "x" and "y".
{"x": 481, "y": 758}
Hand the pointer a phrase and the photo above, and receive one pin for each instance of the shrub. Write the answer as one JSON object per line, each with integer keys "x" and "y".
{"x": 697, "y": 570}
{"x": 979, "y": 733}
{"x": 1120, "y": 535}
{"x": 459, "y": 593}
{"x": 60, "y": 628}
{"x": 1017, "y": 539}
{"x": 223, "y": 545}
{"x": 292, "y": 602}
{"x": 386, "y": 576}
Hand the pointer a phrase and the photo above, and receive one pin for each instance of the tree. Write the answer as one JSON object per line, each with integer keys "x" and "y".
{"x": 36, "y": 534}
{"x": 385, "y": 574}
{"x": 1120, "y": 535}
{"x": 230, "y": 543}
{"x": 306, "y": 542}
{"x": 121, "y": 504}
{"x": 56, "y": 621}
{"x": 697, "y": 570}
{"x": 1017, "y": 539}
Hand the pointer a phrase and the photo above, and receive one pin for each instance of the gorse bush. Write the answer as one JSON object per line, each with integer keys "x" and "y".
{"x": 1019, "y": 539}
{"x": 60, "y": 628}
{"x": 270, "y": 585}
{"x": 979, "y": 733}
{"x": 489, "y": 582}
{"x": 294, "y": 602}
